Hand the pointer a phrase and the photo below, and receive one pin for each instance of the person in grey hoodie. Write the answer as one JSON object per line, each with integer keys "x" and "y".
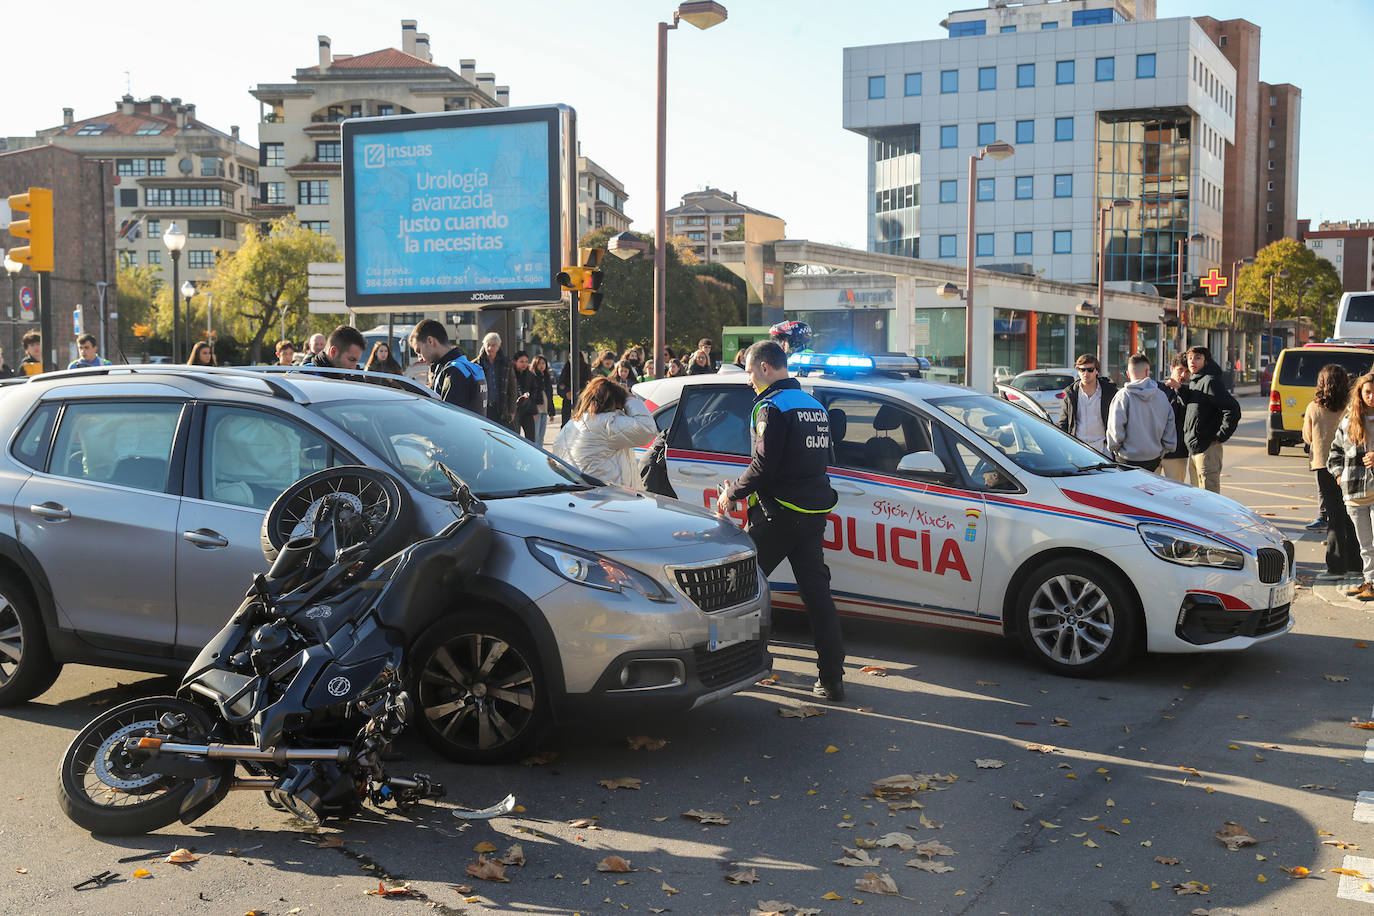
{"x": 1140, "y": 422}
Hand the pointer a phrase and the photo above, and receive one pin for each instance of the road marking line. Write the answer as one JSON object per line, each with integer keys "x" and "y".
{"x": 1364, "y": 812}
{"x": 1349, "y": 888}
{"x": 1369, "y": 751}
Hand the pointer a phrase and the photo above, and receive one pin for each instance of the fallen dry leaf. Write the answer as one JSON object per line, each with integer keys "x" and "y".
{"x": 987, "y": 683}
{"x": 706, "y": 817}
{"x": 1090, "y": 843}
{"x": 403, "y": 891}
{"x": 831, "y": 895}
{"x": 987, "y": 763}
{"x": 513, "y": 856}
{"x": 1349, "y": 872}
{"x": 929, "y": 824}
{"x": 181, "y": 857}
{"x": 487, "y": 870}
{"x": 1313, "y": 785}
{"x": 1297, "y": 871}
{"x": 1234, "y": 836}
{"x": 1192, "y": 887}
{"x": 540, "y": 759}
{"x": 1166, "y": 860}
{"x": 1048, "y": 826}
{"x": 857, "y": 857}
{"x": 931, "y": 866}
{"x": 1336, "y": 678}
{"x": 799, "y": 712}
{"x": 1361, "y": 723}
{"x": 484, "y": 846}
{"x": 614, "y": 864}
{"x": 904, "y": 805}
{"x": 332, "y": 841}
{"x": 645, "y": 743}
{"x": 1058, "y": 721}
{"x": 895, "y": 840}
{"x": 873, "y": 883}
{"x": 831, "y": 749}
{"x": 932, "y": 848}
{"x": 743, "y": 876}
{"x": 1339, "y": 845}
{"x": 142, "y": 873}
{"x": 875, "y": 670}
{"x": 588, "y": 823}
{"x": 624, "y": 782}
{"x": 1042, "y": 748}
{"x": 22, "y": 870}
{"x": 904, "y": 784}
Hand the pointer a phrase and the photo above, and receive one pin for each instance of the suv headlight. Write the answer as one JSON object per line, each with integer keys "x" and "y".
{"x": 1188, "y": 549}
{"x": 594, "y": 570}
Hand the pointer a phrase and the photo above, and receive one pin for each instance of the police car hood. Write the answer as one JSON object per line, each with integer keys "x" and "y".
{"x": 1137, "y": 497}
{"x": 612, "y": 519}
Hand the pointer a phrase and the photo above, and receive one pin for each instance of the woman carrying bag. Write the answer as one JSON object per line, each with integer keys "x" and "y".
{"x": 607, "y": 425}
{"x": 1351, "y": 462}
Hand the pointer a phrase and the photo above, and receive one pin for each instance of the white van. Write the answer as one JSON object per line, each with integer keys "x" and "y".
{"x": 1355, "y": 316}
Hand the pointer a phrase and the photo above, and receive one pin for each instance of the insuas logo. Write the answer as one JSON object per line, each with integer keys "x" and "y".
{"x": 376, "y": 155}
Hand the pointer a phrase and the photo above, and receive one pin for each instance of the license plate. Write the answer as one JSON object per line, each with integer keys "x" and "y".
{"x": 731, "y": 631}
{"x": 1280, "y": 595}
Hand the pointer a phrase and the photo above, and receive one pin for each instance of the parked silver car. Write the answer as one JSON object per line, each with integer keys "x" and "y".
{"x": 136, "y": 498}
{"x": 1046, "y": 387}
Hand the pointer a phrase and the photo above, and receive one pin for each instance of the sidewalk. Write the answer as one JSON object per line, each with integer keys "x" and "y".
{"x": 1334, "y": 594}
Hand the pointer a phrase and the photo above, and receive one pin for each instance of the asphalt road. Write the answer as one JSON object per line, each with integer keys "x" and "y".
{"x": 1108, "y": 795}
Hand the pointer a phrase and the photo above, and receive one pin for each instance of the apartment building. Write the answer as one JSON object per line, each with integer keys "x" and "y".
{"x": 600, "y": 198}
{"x": 1100, "y": 101}
{"x": 168, "y": 166}
{"x": 1260, "y": 203}
{"x": 300, "y": 151}
{"x": 1349, "y": 246}
{"x": 707, "y": 216}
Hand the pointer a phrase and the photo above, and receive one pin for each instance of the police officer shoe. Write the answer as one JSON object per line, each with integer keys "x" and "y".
{"x": 829, "y": 690}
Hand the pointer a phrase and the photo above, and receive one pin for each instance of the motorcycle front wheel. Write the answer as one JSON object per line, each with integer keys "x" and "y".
{"x": 385, "y": 506}
{"x": 105, "y": 789}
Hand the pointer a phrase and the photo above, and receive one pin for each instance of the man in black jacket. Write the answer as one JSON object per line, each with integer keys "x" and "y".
{"x": 1086, "y": 403}
{"x": 1211, "y": 418}
{"x": 1175, "y": 463}
{"x": 343, "y": 350}
{"x": 456, "y": 380}
{"x": 789, "y": 497}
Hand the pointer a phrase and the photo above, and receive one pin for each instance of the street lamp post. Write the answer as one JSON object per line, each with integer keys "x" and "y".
{"x": 1283, "y": 274}
{"x": 703, "y": 14}
{"x": 175, "y": 240}
{"x": 997, "y": 151}
{"x": 1178, "y": 295}
{"x": 100, "y": 286}
{"x": 1119, "y": 203}
{"x": 188, "y": 289}
{"x": 12, "y": 267}
{"x": 1232, "y": 345}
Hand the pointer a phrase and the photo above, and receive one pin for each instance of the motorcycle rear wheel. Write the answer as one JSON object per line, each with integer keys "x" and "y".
{"x": 105, "y": 790}
{"x": 385, "y": 505}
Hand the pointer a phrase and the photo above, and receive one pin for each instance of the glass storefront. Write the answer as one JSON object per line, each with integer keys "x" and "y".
{"x": 1146, "y": 160}
{"x": 849, "y": 330}
{"x": 1010, "y": 340}
{"x": 1051, "y": 341}
{"x": 938, "y": 335}
{"x": 1085, "y": 338}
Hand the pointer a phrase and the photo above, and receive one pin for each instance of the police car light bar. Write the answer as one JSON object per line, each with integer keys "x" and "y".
{"x": 840, "y": 362}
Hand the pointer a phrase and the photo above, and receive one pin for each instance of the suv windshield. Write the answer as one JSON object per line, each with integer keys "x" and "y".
{"x": 1031, "y": 443}
{"x": 413, "y": 435}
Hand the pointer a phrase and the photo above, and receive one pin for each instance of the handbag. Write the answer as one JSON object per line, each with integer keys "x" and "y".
{"x": 653, "y": 468}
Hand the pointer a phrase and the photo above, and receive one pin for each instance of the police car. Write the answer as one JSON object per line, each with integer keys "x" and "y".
{"x": 960, "y": 509}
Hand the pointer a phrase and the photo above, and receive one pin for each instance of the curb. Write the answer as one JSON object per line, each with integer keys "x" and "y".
{"x": 1334, "y": 594}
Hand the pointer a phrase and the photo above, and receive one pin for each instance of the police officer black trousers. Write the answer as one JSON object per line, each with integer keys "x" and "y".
{"x": 797, "y": 537}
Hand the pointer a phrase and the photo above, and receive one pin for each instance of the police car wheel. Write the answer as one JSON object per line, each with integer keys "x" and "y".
{"x": 1076, "y": 618}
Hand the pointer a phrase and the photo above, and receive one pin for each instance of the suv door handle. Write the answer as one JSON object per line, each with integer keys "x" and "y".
{"x": 53, "y": 512}
{"x": 206, "y": 538}
{"x": 847, "y": 489}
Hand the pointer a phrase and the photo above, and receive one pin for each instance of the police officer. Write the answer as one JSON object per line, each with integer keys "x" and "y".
{"x": 452, "y": 376}
{"x": 789, "y": 498}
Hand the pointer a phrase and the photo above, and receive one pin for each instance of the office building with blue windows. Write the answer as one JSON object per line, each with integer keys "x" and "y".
{"x": 1101, "y": 101}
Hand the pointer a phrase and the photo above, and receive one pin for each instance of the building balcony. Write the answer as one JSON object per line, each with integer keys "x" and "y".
{"x": 315, "y": 169}
{"x": 322, "y": 128}
{"x": 267, "y": 211}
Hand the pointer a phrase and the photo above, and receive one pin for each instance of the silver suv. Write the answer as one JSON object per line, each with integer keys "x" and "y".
{"x": 136, "y": 500}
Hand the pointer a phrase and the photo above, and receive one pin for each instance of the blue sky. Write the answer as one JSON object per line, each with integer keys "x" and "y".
{"x": 754, "y": 104}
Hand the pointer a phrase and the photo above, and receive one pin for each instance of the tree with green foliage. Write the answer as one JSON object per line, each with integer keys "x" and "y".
{"x": 1310, "y": 288}
{"x": 136, "y": 291}
{"x": 251, "y": 286}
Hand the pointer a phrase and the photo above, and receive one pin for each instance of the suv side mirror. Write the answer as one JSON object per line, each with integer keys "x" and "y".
{"x": 924, "y": 464}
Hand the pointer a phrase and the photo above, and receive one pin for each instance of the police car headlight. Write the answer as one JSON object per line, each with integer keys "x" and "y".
{"x": 1188, "y": 549}
{"x": 595, "y": 571}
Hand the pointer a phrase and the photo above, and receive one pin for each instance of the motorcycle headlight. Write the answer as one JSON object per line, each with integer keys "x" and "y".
{"x": 595, "y": 571}
{"x": 1188, "y": 549}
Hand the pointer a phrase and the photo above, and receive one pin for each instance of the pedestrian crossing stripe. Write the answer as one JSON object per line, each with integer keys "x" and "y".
{"x": 1351, "y": 887}
{"x": 1364, "y": 812}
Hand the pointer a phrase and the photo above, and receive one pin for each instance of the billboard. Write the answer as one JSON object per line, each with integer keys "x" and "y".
{"x": 460, "y": 207}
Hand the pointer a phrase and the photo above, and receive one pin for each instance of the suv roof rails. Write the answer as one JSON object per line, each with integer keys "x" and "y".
{"x": 388, "y": 379}
{"x": 205, "y": 374}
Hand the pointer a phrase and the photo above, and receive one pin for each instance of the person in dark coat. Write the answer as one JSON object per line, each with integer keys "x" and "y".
{"x": 501, "y": 387}
{"x": 1211, "y": 418}
{"x": 1175, "y": 463}
{"x": 1086, "y": 404}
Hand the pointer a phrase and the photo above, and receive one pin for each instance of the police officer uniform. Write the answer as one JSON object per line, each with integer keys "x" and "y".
{"x": 459, "y": 381}
{"x": 789, "y": 497}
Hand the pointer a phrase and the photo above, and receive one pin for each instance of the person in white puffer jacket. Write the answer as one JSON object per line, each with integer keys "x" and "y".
{"x": 606, "y": 426}
{"x": 1140, "y": 423}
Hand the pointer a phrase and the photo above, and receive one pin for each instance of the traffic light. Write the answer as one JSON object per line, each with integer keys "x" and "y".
{"x": 37, "y": 229}
{"x": 584, "y": 281}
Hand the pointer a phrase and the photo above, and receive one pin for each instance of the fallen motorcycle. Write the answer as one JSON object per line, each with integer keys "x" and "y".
{"x": 301, "y": 694}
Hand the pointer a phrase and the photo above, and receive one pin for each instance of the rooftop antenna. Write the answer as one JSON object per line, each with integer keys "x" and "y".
{"x": 128, "y": 84}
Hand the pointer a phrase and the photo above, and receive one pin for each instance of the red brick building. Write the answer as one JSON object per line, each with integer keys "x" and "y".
{"x": 1349, "y": 246}
{"x": 83, "y": 249}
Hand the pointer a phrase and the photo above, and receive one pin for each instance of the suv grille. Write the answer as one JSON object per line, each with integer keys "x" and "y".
{"x": 1272, "y": 563}
{"x": 714, "y": 588}
{"x": 729, "y": 664}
